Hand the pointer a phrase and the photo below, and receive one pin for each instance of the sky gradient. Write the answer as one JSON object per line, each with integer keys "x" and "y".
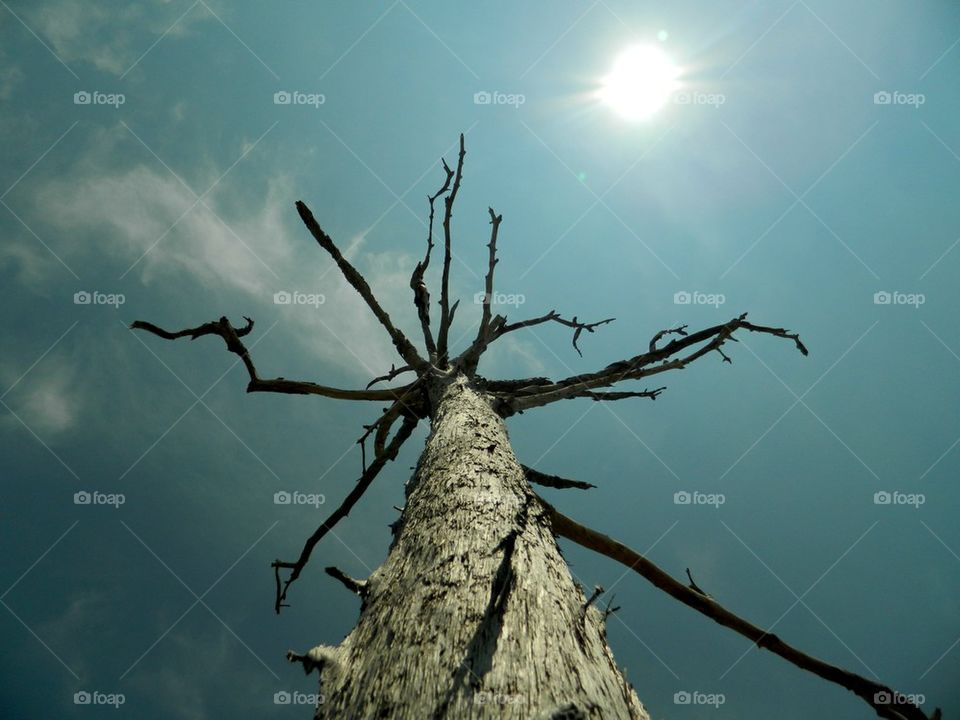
{"x": 151, "y": 170}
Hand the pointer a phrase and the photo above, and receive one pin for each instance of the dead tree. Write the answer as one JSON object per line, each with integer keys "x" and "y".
{"x": 474, "y": 613}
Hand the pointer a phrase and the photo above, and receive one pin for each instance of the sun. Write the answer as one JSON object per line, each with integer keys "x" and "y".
{"x": 640, "y": 83}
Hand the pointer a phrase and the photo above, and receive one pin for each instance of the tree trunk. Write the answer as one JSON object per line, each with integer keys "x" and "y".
{"x": 474, "y": 613}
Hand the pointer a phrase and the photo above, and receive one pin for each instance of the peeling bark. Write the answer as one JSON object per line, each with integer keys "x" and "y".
{"x": 474, "y": 613}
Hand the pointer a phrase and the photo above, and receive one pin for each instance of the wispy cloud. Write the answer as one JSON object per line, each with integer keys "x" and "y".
{"x": 109, "y": 37}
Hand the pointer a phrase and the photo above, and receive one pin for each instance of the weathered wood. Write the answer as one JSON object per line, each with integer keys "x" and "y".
{"x": 474, "y": 613}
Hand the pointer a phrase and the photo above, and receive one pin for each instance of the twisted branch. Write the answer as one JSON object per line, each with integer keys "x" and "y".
{"x": 231, "y": 336}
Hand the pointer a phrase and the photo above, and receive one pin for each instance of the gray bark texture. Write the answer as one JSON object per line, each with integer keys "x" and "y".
{"x": 474, "y": 613}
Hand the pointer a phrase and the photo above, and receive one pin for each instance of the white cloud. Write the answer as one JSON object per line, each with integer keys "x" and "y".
{"x": 264, "y": 249}
{"x": 47, "y": 399}
{"x": 109, "y": 37}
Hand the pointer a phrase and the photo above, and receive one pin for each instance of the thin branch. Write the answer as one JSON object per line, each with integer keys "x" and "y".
{"x": 495, "y": 221}
{"x": 553, "y": 316}
{"x": 899, "y": 707}
{"x": 674, "y": 331}
{"x": 231, "y": 336}
{"x": 369, "y": 475}
{"x": 446, "y": 314}
{"x": 554, "y": 481}
{"x": 394, "y": 371}
{"x": 421, "y": 295}
{"x": 359, "y": 283}
{"x": 646, "y": 364}
{"x": 359, "y": 587}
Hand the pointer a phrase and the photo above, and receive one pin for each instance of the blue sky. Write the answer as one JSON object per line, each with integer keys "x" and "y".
{"x": 797, "y": 195}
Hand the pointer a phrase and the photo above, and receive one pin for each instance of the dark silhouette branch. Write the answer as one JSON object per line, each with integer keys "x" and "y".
{"x": 495, "y": 221}
{"x": 421, "y": 295}
{"x": 668, "y": 357}
{"x": 359, "y": 283}
{"x": 553, "y": 316}
{"x": 394, "y": 371}
{"x": 231, "y": 336}
{"x": 446, "y": 313}
{"x": 369, "y": 475}
{"x": 554, "y": 481}
{"x": 873, "y": 693}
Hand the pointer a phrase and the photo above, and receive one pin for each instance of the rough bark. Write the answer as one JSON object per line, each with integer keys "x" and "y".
{"x": 474, "y": 613}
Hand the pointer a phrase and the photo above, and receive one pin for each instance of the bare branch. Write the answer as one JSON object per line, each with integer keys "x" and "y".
{"x": 352, "y": 584}
{"x": 675, "y": 331}
{"x": 554, "y": 481}
{"x": 369, "y": 475}
{"x": 552, "y": 316}
{"x": 899, "y": 707}
{"x": 668, "y": 357}
{"x": 394, "y": 371}
{"x": 421, "y": 295}
{"x": 359, "y": 283}
{"x": 495, "y": 221}
{"x": 231, "y": 336}
{"x": 446, "y": 314}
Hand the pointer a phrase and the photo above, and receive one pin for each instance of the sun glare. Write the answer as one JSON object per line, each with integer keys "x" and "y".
{"x": 640, "y": 83}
